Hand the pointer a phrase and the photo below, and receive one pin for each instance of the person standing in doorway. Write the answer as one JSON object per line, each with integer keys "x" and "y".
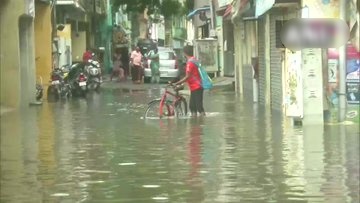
{"x": 135, "y": 63}
{"x": 193, "y": 79}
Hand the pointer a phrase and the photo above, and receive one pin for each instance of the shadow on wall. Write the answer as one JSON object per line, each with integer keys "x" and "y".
{"x": 27, "y": 61}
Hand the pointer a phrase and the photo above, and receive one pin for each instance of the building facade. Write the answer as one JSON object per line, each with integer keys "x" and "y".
{"x": 276, "y": 77}
{"x": 17, "y": 53}
{"x": 43, "y": 41}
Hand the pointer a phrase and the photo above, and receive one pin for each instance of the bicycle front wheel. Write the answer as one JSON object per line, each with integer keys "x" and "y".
{"x": 155, "y": 111}
{"x": 181, "y": 108}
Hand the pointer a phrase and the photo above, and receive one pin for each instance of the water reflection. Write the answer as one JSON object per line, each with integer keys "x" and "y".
{"x": 194, "y": 148}
{"x": 99, "y": 150}
{"x": 19, "y": 157}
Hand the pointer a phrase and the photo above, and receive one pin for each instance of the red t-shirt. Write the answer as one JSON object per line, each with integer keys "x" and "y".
{"x": 194, "y": 81}
{"x": 87, "y": 56}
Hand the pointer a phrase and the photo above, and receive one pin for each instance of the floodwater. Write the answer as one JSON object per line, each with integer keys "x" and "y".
{"x": 100, "y": 150}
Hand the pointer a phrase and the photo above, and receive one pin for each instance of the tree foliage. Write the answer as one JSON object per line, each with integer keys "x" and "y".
{"x": 189, "y": 5}
{"x": 166, "y": 8}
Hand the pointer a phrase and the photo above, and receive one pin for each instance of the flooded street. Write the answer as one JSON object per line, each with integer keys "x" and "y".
{"x": 101, "y": 150}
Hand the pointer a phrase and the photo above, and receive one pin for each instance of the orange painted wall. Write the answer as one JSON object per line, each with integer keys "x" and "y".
{"x": 43, "y": 44}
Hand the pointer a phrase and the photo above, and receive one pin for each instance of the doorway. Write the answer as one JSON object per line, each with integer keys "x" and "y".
{"x": 229, "y": 49}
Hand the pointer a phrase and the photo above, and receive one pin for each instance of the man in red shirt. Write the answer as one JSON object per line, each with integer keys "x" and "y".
{"x": 87, "y": 55}
{"x": 193, "y": 79}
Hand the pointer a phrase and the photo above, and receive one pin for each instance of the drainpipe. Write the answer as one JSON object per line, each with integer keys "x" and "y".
{"x": 55, "y": 56}
{"x": 212, "y": 14}
{"x": 54, "y": 23}
{"x": 108, "y": 33}
{"x": 342, "y": 69}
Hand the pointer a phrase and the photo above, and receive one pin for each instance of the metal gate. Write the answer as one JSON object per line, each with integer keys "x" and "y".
{"x": 262, "y": 61}
{"x": 276, "y": 67}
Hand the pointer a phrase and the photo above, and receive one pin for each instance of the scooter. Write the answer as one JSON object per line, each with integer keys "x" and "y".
{"x": 77, "y": 79}
{"x": 58, "y": 87}
{"x": 92, "y": 70}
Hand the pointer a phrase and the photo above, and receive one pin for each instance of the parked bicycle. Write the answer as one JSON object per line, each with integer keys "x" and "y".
{"x": 164, "y": 107}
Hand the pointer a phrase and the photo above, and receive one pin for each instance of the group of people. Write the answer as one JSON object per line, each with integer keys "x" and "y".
{"x": 137, "y": 71}
{"x": 192, "y": 75}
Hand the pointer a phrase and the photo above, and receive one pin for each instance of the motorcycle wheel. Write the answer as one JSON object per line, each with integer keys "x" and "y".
{"x": 97, "y": 87}
{"x": 39, "y": 95}
{"x": 83, "y": 93}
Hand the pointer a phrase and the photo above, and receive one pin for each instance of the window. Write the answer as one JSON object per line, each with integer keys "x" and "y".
{"x": 166, "y": 55}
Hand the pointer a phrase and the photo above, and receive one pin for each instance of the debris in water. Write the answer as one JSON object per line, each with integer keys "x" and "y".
{"x": 160, "y": 198}
{"x": 127, "y": 164}
{"x": 60, "y": 195}
{"x": 151, "y": 186}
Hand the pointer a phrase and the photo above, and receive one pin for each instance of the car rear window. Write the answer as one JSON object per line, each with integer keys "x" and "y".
{"x": 166, "y": 55}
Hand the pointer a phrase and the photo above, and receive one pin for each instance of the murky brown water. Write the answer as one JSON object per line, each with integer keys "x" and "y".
{"x": 100, "y": 150}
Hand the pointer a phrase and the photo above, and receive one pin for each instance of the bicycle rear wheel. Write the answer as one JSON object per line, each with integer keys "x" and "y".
{"x": 181, "y": 108}
{"x": 153, "y": 110}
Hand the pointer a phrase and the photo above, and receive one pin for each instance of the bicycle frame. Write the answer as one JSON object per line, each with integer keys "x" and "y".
{"x": 163, "y": 100}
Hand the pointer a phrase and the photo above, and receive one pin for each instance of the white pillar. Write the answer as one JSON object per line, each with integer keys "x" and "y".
{"x": 267, "y": 60}
{"x": 312, "y": 78}
{"x": 342, "y": 69}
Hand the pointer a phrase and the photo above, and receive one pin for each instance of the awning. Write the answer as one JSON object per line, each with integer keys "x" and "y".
{"x": 228, "y": 10}
{"x": 196, "y": 11}
{"x": 74, "y": 3}
{"x": 221, "y": 11}
{"x": 263, "y": 6}
{"x": 242, "y": 8}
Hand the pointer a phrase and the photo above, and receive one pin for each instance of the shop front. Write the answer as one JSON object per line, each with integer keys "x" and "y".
{"x": 352, "y": 83}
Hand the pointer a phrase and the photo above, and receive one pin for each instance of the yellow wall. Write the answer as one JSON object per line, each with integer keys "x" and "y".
{"x": 13, "y": 89}
{"x": 78, "y": 45}
{"x": 43, "y": 47}
{"x": 65, "y": 33}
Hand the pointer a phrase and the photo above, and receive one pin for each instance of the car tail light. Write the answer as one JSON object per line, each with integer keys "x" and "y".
{"x": 82, "y": 78}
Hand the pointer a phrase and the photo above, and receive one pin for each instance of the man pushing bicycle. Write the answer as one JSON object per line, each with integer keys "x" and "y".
{"x": 194, "y": 81}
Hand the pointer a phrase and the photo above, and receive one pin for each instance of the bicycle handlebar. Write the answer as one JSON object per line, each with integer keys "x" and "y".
{"x": 176, "y": 88}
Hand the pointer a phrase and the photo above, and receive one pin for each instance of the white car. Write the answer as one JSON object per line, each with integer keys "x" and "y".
{"x": 168, "y": 65}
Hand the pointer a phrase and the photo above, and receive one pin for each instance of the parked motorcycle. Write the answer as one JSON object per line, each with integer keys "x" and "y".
{"x": 58, "y": 87}
{"x": 92, "y": 70}
{"x": 39, "y": 91}
{"x": 78, "y": 79}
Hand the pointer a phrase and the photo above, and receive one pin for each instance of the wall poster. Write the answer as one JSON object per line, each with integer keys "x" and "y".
{"x": 293, "y": 85}
{"x": 352, "y": 82}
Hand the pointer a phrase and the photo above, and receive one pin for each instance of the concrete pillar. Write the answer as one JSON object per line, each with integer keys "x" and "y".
{"x": 312, "y": 78}
{"x": 267, "y": 60}
{"x": 17, "y": 49}
{"x": 238, "y": 57}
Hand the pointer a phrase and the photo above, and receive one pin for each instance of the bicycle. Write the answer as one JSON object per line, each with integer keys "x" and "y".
{"x": 164, "y": 107}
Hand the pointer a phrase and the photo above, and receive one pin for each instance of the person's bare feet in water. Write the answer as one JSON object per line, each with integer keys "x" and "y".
{"x": 203, "y": 114}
